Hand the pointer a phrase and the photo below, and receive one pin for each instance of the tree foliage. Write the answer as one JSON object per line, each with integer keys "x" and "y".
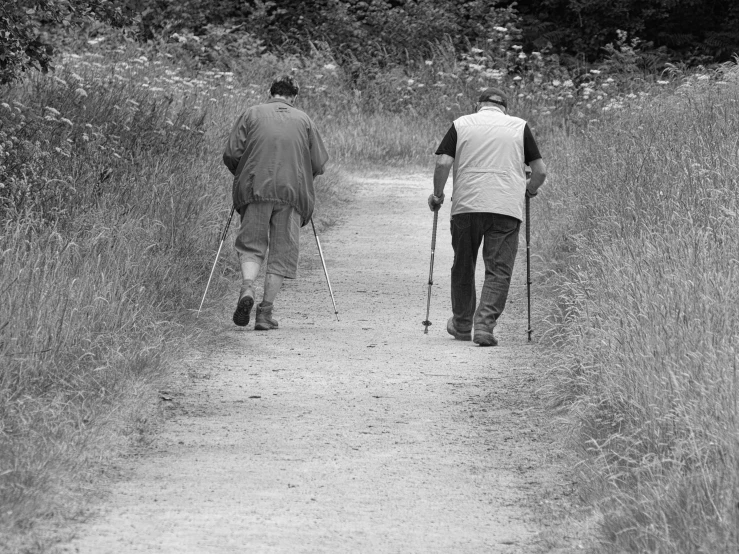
{"x": 707, "y": 29}
{"x": 24, "y": 41}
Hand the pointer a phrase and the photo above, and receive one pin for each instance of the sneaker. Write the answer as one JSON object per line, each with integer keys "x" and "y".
{"x": 243, "y": 309}
{"x": 483, "y": 338}
{"x": 452, "y": 330}
{"x": 264, "y": 320}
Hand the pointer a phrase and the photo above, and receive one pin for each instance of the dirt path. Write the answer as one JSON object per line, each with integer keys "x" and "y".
{"x": 358, "y": 436}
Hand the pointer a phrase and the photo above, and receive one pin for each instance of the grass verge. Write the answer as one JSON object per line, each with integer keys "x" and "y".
{"x": 643, "y": 245}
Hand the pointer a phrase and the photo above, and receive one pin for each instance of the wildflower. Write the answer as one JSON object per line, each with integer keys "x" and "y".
{"x": 60, "y": 81}
{"x": 703, "y": 77}
{"x": 522, "y": 56}
{"x": 411, "y": 81}
{"x": 517, "y": 78}
{"x": 80, "y": 93}
{"x": 568, "y": 83}
{"x": 66, "y": 121}
{"x": 429, "y": 62}
{"x": 85, "y": 137}
{"x": 116, "y": 155}
{"x": 52, "y": 111}
{"x": 663, "y": 82}
{"x": 6, "y": 106}
{"x": 556, "y": 83}
{"x": 595, "y": 71}
{"x": 329, "y": 66}
{"x": 319, "y": 76}
{"x": 501, "y": 29}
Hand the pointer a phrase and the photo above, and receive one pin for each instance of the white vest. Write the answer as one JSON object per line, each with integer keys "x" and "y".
{"x": 489, "y": 173}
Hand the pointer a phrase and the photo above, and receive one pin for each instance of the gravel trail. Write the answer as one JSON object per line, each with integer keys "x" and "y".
{"x": 353, "y": 436}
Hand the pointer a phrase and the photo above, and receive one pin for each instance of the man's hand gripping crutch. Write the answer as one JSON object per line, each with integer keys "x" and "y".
{"x": 435, "y": 203}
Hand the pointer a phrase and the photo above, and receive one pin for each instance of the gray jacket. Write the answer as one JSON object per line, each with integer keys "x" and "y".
{"x": 274, "y": 151}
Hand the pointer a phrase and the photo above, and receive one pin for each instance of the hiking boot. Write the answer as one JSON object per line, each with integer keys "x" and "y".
{"x": 243, "y": 308}
{"x": 264, "y": 320}
{"x": 484, "y": 338}
{"x": 452, "y": 330}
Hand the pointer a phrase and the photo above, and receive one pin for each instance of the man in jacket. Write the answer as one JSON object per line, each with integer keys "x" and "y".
{"x": 488, "y": 151}
{"x": 274, "y": 152}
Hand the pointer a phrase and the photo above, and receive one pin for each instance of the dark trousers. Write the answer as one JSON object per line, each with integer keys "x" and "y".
{"x": 500, "y": 236}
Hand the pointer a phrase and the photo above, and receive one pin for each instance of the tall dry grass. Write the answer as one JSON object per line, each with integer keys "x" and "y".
{"x": 643, "y": 234}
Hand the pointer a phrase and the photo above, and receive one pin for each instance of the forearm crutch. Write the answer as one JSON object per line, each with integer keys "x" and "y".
{"x": 223, "y": 238}
{"x": 528, "y": 266}
{"x": 426, "y": 322}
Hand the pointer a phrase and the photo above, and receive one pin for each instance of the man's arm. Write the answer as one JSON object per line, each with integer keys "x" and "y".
{"x": 318, "y": 153}
{"x": 538, "y": 175}
{"x": 441, "y": 174}
{"x": 235, "y": 145}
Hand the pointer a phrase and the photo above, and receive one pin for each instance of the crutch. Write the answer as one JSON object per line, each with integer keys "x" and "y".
{"x": 426, "y": 322}
{"x": 325, "y": 272}
{"x": 223, "y": 238}
{"x": 528, "y": 264}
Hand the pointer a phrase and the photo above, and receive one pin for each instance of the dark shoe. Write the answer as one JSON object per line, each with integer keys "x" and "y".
{"x": 483, "y": 338}
{"x": 264, "y": 320}
{"x": 453, "y": 331}
{"x": 243, "y": 309}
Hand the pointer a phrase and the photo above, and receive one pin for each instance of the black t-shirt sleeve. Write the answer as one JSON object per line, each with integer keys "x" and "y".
{"x": 448, "y": 144}
{"x": 530, "y": 149}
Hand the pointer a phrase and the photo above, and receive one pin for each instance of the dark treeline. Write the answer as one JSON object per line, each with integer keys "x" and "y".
{"x": 377, "y": 32}
{"x": 695, "y": 31}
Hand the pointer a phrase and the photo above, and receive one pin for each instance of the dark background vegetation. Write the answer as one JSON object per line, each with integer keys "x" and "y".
{"x": 365, "y": 34}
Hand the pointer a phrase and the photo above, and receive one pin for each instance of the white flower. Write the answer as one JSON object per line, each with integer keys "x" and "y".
{"x": 429, "y": 62}
{"x": 476, "y": 50}
{"x": 411, "y": 81}
{"x": 329, "y": 66}
{"x": 80, "y": 93}
{"x": 66, "y": 121}
{"x": 52, "y": 111}
{"x": 6, "y": 106}
{"x": 522, "y": 56}
{"x": 595, "y": 71}
{"x": 663, "y": 82}
{"x": 517, "y": 78}
{"x": 501, "y": 29}
{"x": 556, "y": 83}
{"x": 568, "y": 83}
{"x": 703, "y": 77}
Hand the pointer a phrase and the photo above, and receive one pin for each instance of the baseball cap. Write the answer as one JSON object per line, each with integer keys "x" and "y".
{"x": 494, "y": 95}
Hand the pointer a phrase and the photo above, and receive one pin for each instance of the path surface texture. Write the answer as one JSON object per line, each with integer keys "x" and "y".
{"x": 355, "y": 436}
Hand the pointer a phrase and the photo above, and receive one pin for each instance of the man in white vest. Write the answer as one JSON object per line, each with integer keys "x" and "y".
{"x": 489, "y": 151}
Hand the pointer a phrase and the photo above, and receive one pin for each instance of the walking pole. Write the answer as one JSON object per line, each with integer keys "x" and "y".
{"x": 426, "y": 322}
{"x": 528, "y": 264}
{"x": 325, "y": 272}
{"x": 223, "y": 238}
